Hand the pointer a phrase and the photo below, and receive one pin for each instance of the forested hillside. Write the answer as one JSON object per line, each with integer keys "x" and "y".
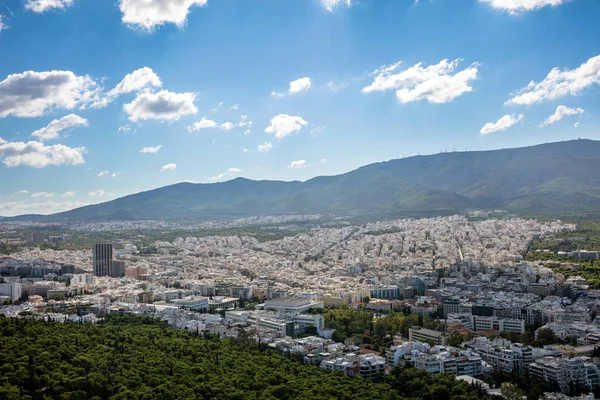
{"x": 135, "y": 358}
{"x": 554, "y": 179}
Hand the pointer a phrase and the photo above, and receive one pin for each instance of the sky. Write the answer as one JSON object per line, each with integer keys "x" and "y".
{"x": 100, "y": 99}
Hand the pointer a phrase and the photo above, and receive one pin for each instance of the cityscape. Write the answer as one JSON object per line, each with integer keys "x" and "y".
{"x": 299, "y": 200}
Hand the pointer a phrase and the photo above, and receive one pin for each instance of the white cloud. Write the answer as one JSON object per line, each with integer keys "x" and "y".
{"x": 127, "y": 129}
{"x": 230, "y": 172}
{"x": 42, "y": 194}
{"x": 245, "y": 150}
{"x": 22, "y": 192}
{"x": 517, "y": 6}
{"x": 105, "y": 172}
{"x": 168, "y": 167}
{"x": 248, "y": 132}
{"x": 435, "y": 83}
{"x": 331, "y": 5}
{"x": 69, "y": 194}
{"x": 298, "y": 164}
{"x": 561, "y": 111}
{"x": 163, "y": 105}
{"x": 277, "y": 95}
{"x": 263, "y": 148}
{"x": 299, "y": 85}
{"x": 48, "y": 207}
{"x": 502, "y": 124}
{"x": 283, "y": 125}
{"x": 576, "y": 124}
{"x": 150, "y": 149}
{"x": 323, "y": 161}
{"x": 31, "y": 94}
{"x": 235, "y": 106}
{"x": 226, "y": 126}
{"x": 148, "y": 14}
{"x": 316, "y": 130}
{"x": 58, "y": 125}
{"x": 137, "y": 80}
{"x": 204, "y": 123}
{"x": 38, "y": 155}
{"x": 115, "y": 174}
{"x": 40, "y": 6}
{"x": 140, "y": 79}
{"x": 560, "y": 83}
{"x": 2, "y": 24}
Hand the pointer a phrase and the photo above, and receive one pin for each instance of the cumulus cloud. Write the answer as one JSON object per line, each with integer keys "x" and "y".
{"x": 22, "y": 192}
{"x": 299, "y": 85}
{"x": 58, "y": 125}
{"x": 38, "y": 155}
{"x": 230, "y": 172}
{"x": 560, "y": 83}
{"x": 168, "y": 167}
{"x": 163, "y": 106}
{"x": 204, "y": 123}
{"x": 40, "y": 6}
{"x": 48, "y": 207}
{"x": 140, "y": 79}
{"x": 149, "y": 14}
{"x": 248, "y": 132}
{"x": 323, "y": 161}
{"x": 263, "y": 148}
{"x": 245, "y": 150}
{"x": 576, "y": 124}
{"x": 226, "y": 126}
{"x": 519, "y": 6}
{"x": 436, "y": 83}
{"x": 298, "y": 164}
{"x": 283, "y": 125}
{"x": 42, "y": 194}
{"x": 137, "y": 80}
{"x": 502, "y": 124}
{"x": 151, "y": 150}
{"x": 561, "y": 111}
{"x": 331, "y": 5}
{"x": 69, "y": 194}
{"x": 235, "y": 106}
{"x": 102, "y": 173}
{"x": 32, "y": 94}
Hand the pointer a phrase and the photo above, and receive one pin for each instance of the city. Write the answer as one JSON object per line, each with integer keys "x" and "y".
{"x": 462, "y": 282}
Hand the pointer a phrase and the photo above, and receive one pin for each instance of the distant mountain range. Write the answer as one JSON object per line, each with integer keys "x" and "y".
{"x": 548, "y": 179}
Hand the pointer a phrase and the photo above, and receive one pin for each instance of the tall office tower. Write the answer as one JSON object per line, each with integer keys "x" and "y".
{"x": 102, "y": 259}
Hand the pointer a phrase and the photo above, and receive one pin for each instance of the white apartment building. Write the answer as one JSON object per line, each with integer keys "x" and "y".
{"x": 416, "y": 333}
{"x": 566, "y": 372}
{"x": 291, "y": 306}
{"x": 198, "y": 303}
{"x": 12, "y": 290}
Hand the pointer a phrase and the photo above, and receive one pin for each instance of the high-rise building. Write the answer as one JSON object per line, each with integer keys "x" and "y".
{"x": 102, "y": 258}
{"x": 118, "y": 269}
{"x": 37, "y": 237}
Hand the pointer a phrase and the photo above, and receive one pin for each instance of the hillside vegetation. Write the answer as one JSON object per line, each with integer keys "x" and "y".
{"x": 142, "y": 358}
{"x": 550, "y": 179}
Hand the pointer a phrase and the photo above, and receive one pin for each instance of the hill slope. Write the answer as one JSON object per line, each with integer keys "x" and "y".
{"x": 554, "y": 178}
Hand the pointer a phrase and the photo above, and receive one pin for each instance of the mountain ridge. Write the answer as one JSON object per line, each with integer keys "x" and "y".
{"x": 550, "y": 178}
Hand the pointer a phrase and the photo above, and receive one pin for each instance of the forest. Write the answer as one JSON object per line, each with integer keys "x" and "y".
{"x": 126, "y": 357}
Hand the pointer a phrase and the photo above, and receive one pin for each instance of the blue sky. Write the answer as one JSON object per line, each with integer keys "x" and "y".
{"x": 320, "y": 86}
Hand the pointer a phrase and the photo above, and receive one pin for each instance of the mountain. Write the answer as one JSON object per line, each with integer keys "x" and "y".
{"x": 549, "y": 179}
